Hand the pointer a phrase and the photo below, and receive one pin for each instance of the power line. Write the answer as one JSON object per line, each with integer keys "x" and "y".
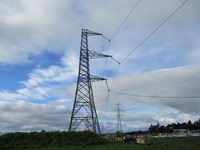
{"x": 134, "y": 7}
{"x": 141, "y": 43}
{"x": 160, "y": 25}
{"x": 108, "y": 94}
{"x": 154, "y": 96}
{"x": 106, "y": 106}
{"x": 114, "y": 34}
{"x": 115, "y": 75}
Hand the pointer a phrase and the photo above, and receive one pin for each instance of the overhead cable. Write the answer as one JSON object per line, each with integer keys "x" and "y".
{"x": 160, "y": 25}
{"x": 134, "y": 7}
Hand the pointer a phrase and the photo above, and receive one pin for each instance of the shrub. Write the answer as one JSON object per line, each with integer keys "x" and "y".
{"x": 20, "y": 140}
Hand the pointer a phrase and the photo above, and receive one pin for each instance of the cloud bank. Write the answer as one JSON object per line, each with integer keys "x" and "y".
{"x": 167, "y": 64}
{"x": 138, "y": 112}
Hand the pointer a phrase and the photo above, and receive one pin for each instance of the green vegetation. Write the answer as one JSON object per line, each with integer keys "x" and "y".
{"x": 86, "y": 140}
{"x": 44, "y": 139}
{"x": 189, "y": 143}
{"x": 169, "y": 128}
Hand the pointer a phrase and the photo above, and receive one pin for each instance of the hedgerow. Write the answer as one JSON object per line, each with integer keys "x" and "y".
{"x": 21, "y": 140}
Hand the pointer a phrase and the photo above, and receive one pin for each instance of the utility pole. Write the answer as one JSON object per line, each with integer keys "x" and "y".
{"x": 119, "y": 125}
{"x": 84, "y": 111}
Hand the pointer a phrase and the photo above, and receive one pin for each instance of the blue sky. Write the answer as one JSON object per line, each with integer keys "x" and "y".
{"x": 11, "y": 75}
{"x": 40, "y": 43}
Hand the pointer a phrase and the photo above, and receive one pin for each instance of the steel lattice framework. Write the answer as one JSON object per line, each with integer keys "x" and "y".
{"x": 84, "y": 111}
{"x": 119, "y": 125}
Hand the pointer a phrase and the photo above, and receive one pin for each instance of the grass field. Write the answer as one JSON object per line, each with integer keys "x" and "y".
{"x": 190, "y": 143}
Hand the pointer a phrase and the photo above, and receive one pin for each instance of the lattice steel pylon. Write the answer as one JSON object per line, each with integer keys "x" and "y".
{"x": 119, "y": 125}
{"x": 84, "y": 111}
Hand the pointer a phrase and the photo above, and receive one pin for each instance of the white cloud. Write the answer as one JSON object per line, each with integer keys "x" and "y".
{"x": 45, "y": 83}
{"x": 9, "y": 96}
{"x": 41, "y": 76}
{"x": 181, "y": 82}
{"x": 37, "y": 26}
{"x": 138, "y": 112}
{"x": 25, "y": 116}
{"x": 32, "y": 27}
{"x": 54, "y": 74}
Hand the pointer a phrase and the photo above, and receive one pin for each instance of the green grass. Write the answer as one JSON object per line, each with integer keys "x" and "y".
{"x": 190, "y": 143}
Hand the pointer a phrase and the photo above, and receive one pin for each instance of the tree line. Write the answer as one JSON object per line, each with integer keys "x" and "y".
{"x": 43, "y": 139}
{"x": 169, "y": 128}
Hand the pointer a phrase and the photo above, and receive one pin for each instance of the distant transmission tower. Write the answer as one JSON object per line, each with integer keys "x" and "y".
{"x": 119, "y": 125}
{"x": 84, "y": 112}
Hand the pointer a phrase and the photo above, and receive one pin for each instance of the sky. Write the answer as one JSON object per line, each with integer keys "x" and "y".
{"x": 39, "y": 59}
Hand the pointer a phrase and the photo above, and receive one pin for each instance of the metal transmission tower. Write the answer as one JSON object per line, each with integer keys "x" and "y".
{"x": 84, "y": 111}
{"x": 119, "y": 125}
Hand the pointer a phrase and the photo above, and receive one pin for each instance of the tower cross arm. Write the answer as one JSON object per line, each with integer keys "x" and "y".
{"x": 93, "y": 55}
{"x": 95, "y": 78}
{"x": 90, "y": 33}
